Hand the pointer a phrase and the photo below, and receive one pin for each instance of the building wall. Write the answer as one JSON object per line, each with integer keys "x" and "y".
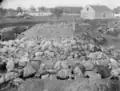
{"x": 71, "y": 14}
{"x": 107, "y": 15}
{"x": 34, "y": 14}
{"x": 98, "y": 15}
{"x": 10, "y": 13}
{"x": 87, "y": 13}
{"x": 45, "y": 14}
{"x": 91, "y": 14}
{"x": 39, "y": 14}
{"x": 104, "y": 15}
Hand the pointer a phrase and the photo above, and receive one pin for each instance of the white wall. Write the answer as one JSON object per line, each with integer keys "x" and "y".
{"x": 87, "y": 14}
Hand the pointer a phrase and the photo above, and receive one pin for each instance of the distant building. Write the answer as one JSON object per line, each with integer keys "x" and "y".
{"x": 32, "y": 13}
{"x": 21, "y": 14}
{"x": 38, "y": 13}
{"x": 96, "y": 12}
{"x": 10, "y": 13}
{"x": 71, "y": 11}
{"x": 45, "y": 13}
{"x": 117, "y": 15}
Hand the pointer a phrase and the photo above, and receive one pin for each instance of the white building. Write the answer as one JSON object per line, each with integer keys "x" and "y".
{"x": 38, "y": 13}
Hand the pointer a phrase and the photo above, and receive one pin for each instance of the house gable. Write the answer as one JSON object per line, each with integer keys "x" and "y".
{"x": 96, "y": 12}
{"x": 102, "y": 11}
{"x": 87, "y": 12}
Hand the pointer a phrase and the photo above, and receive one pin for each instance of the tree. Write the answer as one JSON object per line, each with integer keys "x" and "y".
{"x": 41, "y": 8}
{"x": 116, "y": 10}
{"x": 57, "y": 12}
{"x": 3, "y": 12}
{"x": 19, "y": 10}
{"x": 32, "y": 8}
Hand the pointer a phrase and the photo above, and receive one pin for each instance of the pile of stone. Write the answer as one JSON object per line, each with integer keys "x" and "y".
{"x": 50, "y": 31}
{"x": 113, "y": 31}
{"x": 67, "y": 59}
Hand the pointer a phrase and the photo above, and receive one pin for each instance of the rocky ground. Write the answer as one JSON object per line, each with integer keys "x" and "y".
{"x": 70, "y": 64}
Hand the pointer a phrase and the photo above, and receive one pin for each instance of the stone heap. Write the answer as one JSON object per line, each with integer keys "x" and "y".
{"x": 34, "y": 61}
{"x": 67, "y": 59}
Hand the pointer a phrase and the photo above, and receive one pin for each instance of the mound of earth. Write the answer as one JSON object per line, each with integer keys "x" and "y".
{"x": 50, "y": 31}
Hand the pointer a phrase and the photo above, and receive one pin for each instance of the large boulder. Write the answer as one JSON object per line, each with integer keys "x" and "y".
{"x": 28, "y": 71}
{"x": 88, "y": 65}
{"x": 93, "y": 75}
{"x": 102, "y": 70}
{"x": 63, "y": 74}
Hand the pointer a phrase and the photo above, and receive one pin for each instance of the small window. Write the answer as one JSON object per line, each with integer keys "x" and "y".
{"x": 87, "y": 9}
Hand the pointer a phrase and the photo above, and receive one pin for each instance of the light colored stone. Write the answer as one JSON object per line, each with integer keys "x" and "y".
{"x": 64, "y": 64}
{"x": 78, "y": 71}
{"x": 22, "y": 64}
{"x": 114, "y": 63}
{"x": 24, "y": 59}
{"x": 10, "y": 76}
{"x": 18, "y": 81}
{"x": 57, "y": 65}
{"x": 63, "y": 73}
{"x": 2, "y": 80}
{"x": 115, "y": 72}
{"x": 49, "y": 53}
{"x": 44, "y": 76}
{"x": 92, "y": 75}
{"x": 38, "y": 53}
{"x": 10, "y": 65}
{"x": 35, "y": 64}
{"x": 88, "y": 65}
{"x": 28, "y": 70}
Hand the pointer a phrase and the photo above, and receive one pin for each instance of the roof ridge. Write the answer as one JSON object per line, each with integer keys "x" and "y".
{"x": 100, "y": 8}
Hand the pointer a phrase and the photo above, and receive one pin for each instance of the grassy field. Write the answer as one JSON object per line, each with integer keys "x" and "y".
{"x": 6, "y": 22}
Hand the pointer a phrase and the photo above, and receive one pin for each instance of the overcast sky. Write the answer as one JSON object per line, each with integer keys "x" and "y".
{"x": 52, "y": 3}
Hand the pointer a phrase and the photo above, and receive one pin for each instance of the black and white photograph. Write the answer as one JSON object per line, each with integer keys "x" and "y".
{"x": 59, "y": 45}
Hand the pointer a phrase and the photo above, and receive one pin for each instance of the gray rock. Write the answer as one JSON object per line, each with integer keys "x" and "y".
{"x": 22, "y": 64}
{"x": 10, "y": 76}
{"x": 18, "y": 81}
{"x": 63, "y": 73}
{"x": 28, "y": 70}
{"x": 35, "y": 64}
{"x": 92, "y": 75}
{"x": 88, "y": 65}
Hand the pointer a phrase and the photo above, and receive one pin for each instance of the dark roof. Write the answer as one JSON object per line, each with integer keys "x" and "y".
{"x": 100, "y": 8}
{"x": 71, "y": 9}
